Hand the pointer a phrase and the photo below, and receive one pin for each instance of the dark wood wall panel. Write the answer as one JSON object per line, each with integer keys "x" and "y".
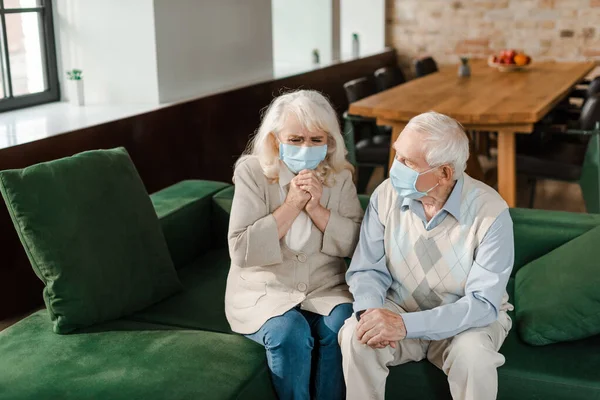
{"x": 197, "y": 139}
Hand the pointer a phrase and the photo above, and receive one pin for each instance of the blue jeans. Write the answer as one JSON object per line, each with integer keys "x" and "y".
{"x": 289, "y": 340}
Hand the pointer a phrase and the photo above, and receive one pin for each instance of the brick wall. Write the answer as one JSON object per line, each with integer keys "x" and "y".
{"x": 561, "y": 30}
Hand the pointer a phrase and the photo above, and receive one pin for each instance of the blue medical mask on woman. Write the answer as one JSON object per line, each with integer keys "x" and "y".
{"x": 404, "y": 180}
{"x": 298, "y": 158}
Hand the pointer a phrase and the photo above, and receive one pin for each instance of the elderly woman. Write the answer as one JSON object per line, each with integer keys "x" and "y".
{"x": 430, "y": 271}
{"x": 295, "y": 216}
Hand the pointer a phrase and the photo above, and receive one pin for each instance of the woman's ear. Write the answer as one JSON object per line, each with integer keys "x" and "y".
{"x": 331, "y": 144}
{"x": 273, "y": 140}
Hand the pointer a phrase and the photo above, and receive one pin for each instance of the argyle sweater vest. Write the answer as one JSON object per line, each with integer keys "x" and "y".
{"x": 430, "y": 268}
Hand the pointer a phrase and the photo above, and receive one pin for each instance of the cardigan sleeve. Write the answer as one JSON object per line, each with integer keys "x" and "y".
{"x": 341, "y": 233}
{"x": 253, "y": 237}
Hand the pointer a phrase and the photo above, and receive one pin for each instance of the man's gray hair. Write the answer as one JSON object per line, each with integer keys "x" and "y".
{"x": 444, "y": 140}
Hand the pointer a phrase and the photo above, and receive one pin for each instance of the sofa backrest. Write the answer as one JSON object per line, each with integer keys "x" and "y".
{"x": 220, "y": 217}
{"x": 185, "y": 211}
{"x": 537, "y": 232}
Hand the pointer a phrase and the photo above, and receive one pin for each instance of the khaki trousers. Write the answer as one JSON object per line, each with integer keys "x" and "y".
{"x": 469, "y": 359}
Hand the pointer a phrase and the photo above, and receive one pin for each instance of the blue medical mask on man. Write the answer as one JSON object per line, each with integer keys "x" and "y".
{"x": 404, "y": 180}
{"x": 298, "y": 158}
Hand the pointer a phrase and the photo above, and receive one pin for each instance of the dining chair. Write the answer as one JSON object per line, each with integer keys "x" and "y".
{"x": 425, "y": 66}
{"x": 566, "y": 110}
{"x": 360, "y": 88}
{"x": 388, "y": 77}
{"x": 368, "y": 144}
{"x": 589, "y": 88}
{"x": 570, "y": 153}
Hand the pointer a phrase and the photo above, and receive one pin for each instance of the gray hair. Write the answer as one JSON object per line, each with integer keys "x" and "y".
{"x": 315, "y": 113}
{"x": 444, "y": 140}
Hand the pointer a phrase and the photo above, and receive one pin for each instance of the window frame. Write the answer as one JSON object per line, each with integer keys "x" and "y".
{"x": 52, "y": 92}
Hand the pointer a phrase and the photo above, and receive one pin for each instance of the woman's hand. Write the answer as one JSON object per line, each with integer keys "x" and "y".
{"x": 293, "y": 205}
{"x": 308, "y": 181}
{"x": 297, "y": 197}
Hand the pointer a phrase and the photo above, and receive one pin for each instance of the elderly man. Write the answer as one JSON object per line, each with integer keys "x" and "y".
{"x": 430, "y": 271}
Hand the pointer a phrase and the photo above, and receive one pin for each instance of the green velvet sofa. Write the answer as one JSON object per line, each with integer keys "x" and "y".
{"x": 182, "y": 347}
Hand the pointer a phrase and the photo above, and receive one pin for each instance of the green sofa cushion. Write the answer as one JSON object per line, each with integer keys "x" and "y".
{"x": 92, "y": 236}
{"x": 185, "y": 211}
{"x": 566, "y": 371}
{"x": 364, "y": 201}
{"x": 124, "y": 360}
{"x": 538, "y": 232}
{"x": 220, "y": 218}
{"x": 201, "y": 304}
{"x": 557, "y": 294}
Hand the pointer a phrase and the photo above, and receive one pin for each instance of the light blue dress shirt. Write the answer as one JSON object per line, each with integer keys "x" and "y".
{"x": 369, "y": 278}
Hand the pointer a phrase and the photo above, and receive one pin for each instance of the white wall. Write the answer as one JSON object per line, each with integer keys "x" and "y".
{"x": 159, "y": 51}
{"x": 206, "y": 46}
{"x": 367, "y": 18}
{"x": 113, "y": 42}
{"x": 299, "y": 27}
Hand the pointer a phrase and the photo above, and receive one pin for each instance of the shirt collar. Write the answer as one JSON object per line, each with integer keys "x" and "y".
{"x": 452, "y": 205}
{"x": 285, "y": 175}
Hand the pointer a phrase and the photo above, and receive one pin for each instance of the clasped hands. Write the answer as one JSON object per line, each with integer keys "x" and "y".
{"x": 380, "y": 327}
{"x": 305, "y": 191}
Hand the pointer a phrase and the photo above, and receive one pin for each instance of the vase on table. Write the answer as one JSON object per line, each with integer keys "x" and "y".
{"x": 464, "y": 69}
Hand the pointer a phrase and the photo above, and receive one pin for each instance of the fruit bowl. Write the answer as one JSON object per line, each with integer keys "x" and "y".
{"x": 506, "y": 67}
{"x": 509, "y": 60}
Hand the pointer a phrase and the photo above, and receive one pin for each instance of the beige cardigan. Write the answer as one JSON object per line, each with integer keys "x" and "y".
{"x": 266, "y": 277}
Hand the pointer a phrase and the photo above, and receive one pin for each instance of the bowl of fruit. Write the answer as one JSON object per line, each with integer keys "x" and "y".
{"x": 509, "y": 60}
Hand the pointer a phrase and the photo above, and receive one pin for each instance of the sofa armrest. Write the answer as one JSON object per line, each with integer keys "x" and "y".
{"x": 185, "y": 213}
{"x": 220, "y": 217}
{"x": 538, "y": 232}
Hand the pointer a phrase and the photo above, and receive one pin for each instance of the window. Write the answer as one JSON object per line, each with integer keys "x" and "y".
{"x": 28, "y": 73}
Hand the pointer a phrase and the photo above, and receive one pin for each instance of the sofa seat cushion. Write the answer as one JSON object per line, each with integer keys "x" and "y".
{"x": 201, "y": 305}
{"x": 128, "y": 360}
{"x": 566, "y": 371}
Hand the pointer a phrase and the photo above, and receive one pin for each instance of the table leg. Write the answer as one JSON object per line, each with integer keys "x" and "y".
{"x": 507, "y": 170}
{"x": 397, "y": 128}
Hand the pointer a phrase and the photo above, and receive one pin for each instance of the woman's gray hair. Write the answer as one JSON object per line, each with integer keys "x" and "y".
{"x": 444, "y": 140}
{"x": 314, "y": 112}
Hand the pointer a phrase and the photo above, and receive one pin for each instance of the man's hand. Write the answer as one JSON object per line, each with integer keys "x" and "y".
{"x": 379, "y": 327}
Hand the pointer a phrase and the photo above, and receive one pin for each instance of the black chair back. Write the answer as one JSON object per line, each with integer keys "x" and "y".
{"x": 388, "y": 77}
{"x": 593, "y": 87}
{"x": 425, "y": 66}
{"x": 590, "y": 113}
{"x": 359, "y": 88}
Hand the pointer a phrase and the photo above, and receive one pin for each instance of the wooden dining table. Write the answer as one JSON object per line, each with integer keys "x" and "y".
{"x": 508, "y": 103}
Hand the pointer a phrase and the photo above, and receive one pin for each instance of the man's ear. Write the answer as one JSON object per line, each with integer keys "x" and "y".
{"x": 447, "y": 172}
